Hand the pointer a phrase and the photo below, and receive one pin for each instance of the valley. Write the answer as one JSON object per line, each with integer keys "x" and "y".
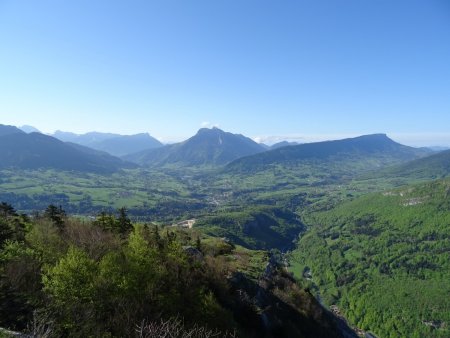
{"x": 364, "y": 221}
{"x": 224, "y": 169}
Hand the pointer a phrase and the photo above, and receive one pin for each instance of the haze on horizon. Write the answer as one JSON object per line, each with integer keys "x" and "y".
{"x": 271, "y": 71}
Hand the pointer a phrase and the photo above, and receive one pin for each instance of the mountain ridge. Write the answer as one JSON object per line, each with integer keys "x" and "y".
{"x": 35, "y": 150}
{"x": 437, "y": 165}
{"x": 114, "y": 144}
{"x": 361, "y": 146}
{"x": 207, "y": 147}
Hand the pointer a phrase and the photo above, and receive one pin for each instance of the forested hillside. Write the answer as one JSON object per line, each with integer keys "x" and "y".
{"x": 255, "y": 228}
{"x": 384, "y": 260}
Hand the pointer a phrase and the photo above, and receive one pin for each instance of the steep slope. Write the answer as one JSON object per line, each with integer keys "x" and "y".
{"x": 114, "y": 144}
{"x": 8, "y": 130}
{"x": 254, "y": 227}
{"x": 430, "y": 167}
{"x": 383, "y": 260}
{"x": 207, "y": 147}
{"x": 35, "y": 150}
{"x": 376, "y": 150}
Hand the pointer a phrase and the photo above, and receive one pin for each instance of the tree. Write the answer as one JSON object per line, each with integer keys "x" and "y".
{"x": 123, "y": 222}
{"x": 72, "y": 286}
{"x": 6, "y": 210}
{"x": 105, "y": 221}
{"x": 72, "y": 279}
{"x": 156, "y": 237}
{"x": 6, "y": 232}
{"x": 56, "y": 215}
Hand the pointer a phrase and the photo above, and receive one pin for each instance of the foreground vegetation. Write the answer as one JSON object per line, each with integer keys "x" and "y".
{"x": 65, "y": 277}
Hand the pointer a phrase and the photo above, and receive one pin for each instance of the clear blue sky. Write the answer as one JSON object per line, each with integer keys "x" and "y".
{"x": 260, "y": 68}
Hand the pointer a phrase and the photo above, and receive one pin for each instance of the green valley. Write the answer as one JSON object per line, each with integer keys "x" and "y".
{"x": 358, "y": 223}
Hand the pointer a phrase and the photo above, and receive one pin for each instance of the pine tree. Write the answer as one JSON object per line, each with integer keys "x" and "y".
{"x": 56, "y": 215}
{"x": 124, "y": 224}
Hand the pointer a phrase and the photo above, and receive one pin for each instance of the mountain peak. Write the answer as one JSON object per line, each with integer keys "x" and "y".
{"x": 210, "y": 146}
{"x": 213, "y": 130}
{"x": 29, "y": 129}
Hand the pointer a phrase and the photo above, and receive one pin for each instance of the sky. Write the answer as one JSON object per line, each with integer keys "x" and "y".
{"x": 271, "y": 70}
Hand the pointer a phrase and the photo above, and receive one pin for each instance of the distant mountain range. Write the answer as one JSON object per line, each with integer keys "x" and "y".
{"x": 283, "y": 144}
{"x": 114, "y": 144}
{"x": 377, "y": 147}
{"x": 35, "y": 150}
{"x": 208, "y": 147}
{"x": 438, "y": 148}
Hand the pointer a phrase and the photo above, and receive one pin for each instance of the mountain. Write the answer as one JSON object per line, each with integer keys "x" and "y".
{"x": 438, "y": 148}
{"x": 114, "y": 144}
{"x": 283, "y": 144}
{"x": 127, "y": 144}
{"x": 35, "y": 150}
{"x": 29, "y": 129}
{"x": 207, "y": 147}
{"x": 430, "y": 167}
{"x": 84, "y": 139}
{"x": 8, "y": 130}
{"x": 378, "y": 149}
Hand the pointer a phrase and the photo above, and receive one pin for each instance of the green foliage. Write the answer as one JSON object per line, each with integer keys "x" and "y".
{"x": 56, "y": 215}
{"x": 123, "y": 222}
{"x": 108, "y": 286}
{"x": 430, "y": 167}
{"x": 7, "y": 210}
{"x": 12, "y": 225}
{"x": 383, "y": 258}
{"x": 120, "y": 224}
{"x": 72, "y": 279}
{"x": 5, "y": 232}
{"x": 255, "y": 228}
{"x": 106, "y": 221}
{"x": 89, "y": 281}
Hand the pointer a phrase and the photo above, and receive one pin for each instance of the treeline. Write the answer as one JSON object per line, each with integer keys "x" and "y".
{"x": 162, "y": 210}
